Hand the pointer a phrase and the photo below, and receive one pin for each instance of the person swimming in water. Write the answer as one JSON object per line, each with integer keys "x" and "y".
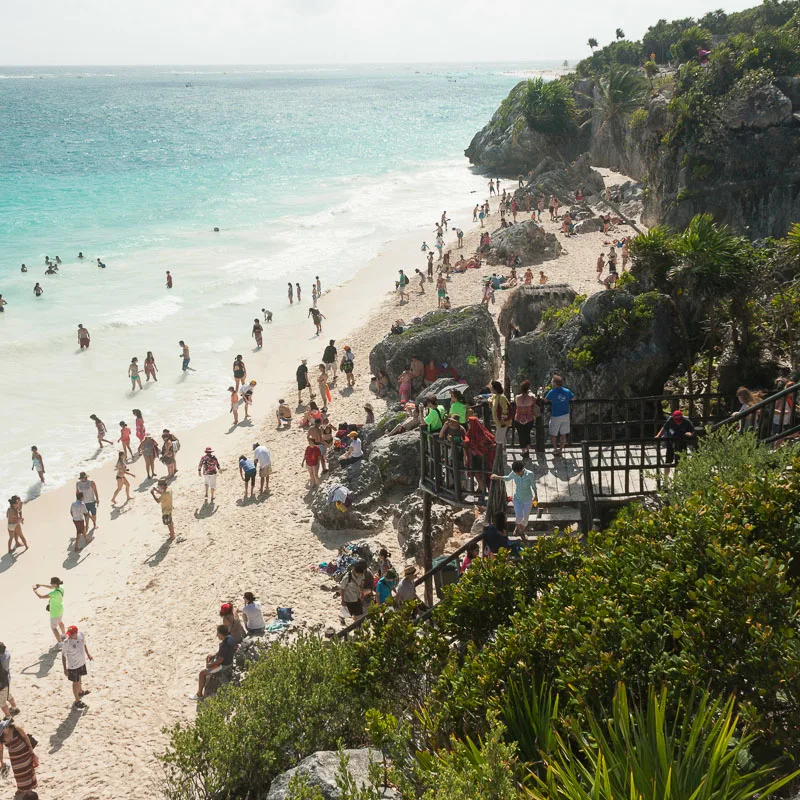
{"x": 23, "y": 268}
{"x": 100, "y": 264}
{"x": 80, "y": 256}
{"x": 37, "y": 290}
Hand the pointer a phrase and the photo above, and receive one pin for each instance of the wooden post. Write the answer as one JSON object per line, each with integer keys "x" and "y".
{"x": 427, "y": 546}
{"x": 538, "y": 428}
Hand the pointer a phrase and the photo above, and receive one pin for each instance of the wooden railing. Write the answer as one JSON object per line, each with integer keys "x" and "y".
{"x": 775, "y": 420}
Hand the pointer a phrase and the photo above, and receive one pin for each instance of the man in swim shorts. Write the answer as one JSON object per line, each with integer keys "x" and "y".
{"x": 83, "y": 337}
{"x": 91, "y": 497}
{"x": 185, "y": 355}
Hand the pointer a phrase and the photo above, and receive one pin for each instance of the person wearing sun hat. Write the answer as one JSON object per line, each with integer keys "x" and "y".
{"x": 354, "y": 451}
{"x": 406, "y": 590}
{"x": 678, "y": 431}
{"x": 74, "y": 654}
{"x": 208, "y": 468}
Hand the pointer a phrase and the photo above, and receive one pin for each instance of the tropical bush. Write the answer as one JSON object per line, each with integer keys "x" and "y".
{"x": 549, "y": 107}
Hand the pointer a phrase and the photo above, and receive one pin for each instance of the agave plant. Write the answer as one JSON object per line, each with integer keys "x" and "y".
{"x": 695, "y": 753}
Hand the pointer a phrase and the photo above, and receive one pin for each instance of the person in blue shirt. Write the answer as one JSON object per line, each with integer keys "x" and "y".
{"x": 386, "y": 586}
{"x": 247, "y": 472}
{"x": 559, "y": 398}
{"x": 524, "y": 493}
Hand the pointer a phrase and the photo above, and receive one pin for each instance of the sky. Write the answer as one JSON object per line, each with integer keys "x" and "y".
{"x": 141, "y": 32}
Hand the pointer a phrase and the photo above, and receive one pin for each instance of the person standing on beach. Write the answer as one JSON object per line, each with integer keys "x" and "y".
{"x": 430, "y": 267}
{"x": 170, "y": 446}
{"x": 185, "y": 356}
{"x": 263, "y": 462}
{"x": 125, "y": 439}
{"x": 247, "y": 472}
{"x": 297, "y": 288}
{"x": 239, "y": 371}
{"x": 421, "y": 282}
{"x": 208, "y": 468}
{"x": 302, "y": 382}
{"x": 37, "y": 462}
{"x": 149, "y": 450}
{"x": 401, "y": 284}
{"x": 83, "y": 337}
{"x": 329, "y": 360}
{"x": 91, "y": 497}
{"x": 7, "y": 703}
{"x": 291, "y": 294}
{"x": 14, "y": 520}
{"x": 348, "y": 365}
{"x": 319, "y": 286}
{"x": 258, "y": 332}
{"x": 322, "y": 384}
{"x": 317, "y": 316}
{"x": 133, "y": 374}
{"x": 74, "y": 654}
{"x": 169, "y": 280}
{"x": 55, "y": 604}
{"x": 600, "y": 267}
{"x": 140, "y": 429}
{"x": 491, "y": 187}
{"x": 234, "y": 398}
{"x": 314, "y": 295}
{"x": 150, "y": 368}
{"x": 79, "y": 512}
{"x": 122, "y": 482}
{"x": 163, "y": 496}
{"x": 311, "y": 459}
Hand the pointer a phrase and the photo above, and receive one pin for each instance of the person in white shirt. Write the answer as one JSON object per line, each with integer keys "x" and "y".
{"x": 263, "y": 461}
{"x": 74, "y": 654}
{"x": 79, "y": 512}
{"x": 252, "y": 617}
{"x": 91, "y": 497}
{"x": 354, "y": 452}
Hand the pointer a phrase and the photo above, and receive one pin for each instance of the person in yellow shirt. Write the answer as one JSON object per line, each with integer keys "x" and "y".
{"x": 163, "y": 495}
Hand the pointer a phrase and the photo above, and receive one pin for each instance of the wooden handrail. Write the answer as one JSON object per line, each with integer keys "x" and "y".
{"x": 755, "y": 409}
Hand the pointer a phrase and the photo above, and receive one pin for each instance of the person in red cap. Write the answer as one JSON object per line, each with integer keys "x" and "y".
{"x": 677, "y": 432}
{"x": 208, "y": 468}
{"x": 232, "y": 622}
{"x": 74, "y": 654}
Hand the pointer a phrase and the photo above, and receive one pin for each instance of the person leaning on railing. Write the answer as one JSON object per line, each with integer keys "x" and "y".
{"x": 677, "y": 432}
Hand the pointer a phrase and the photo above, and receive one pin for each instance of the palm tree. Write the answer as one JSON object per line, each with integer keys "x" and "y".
{"x": 619, "y": 93}
{"x": 592, "y": 43}
{"x": 620, "y": 33}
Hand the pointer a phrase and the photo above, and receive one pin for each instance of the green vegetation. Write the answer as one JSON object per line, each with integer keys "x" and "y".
{"x": 549, "y": 107}
{"x": 554, "y": 318}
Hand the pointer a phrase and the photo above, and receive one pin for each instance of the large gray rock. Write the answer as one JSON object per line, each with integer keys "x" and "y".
{"x": 591, "y": 225}
{"x": 321, "y": 769}
{"x": 457, "y": 337}
{"x": 528, "y": 240}
{"x": 408, "y": 523}
{"x": 761, "y": 108}
{"x": 790, "y": 86}
{"x": 364, "y": 482}
{"x": 397, "y": 458}
{"x": 555, "y": 176}
{"x": 526, "y": 304}
{"x": 637, "y": 367}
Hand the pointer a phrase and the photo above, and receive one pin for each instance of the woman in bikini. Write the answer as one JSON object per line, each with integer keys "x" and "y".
{"x": 101, "y": 430}
{"x": 239, "y": 372}
{"x": 150, "y": 368}
{"x": 133, "y": 374}
{"x": 168, "y": 454}
{"x": 121, "y": 471}
{"x": 15, "y": 519}
{"x": 140, "y": 431}
{"x": 149, "y": 449}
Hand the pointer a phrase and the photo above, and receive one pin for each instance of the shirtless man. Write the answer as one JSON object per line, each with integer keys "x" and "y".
{"x": 600, "y": 267}
{"x": 297, "y": 287}
{"x": 169, "y": 280}
{"x": 315, "y": 434}
{"x": 257, "y": 332}
{"x": 542, "y": 278}
{"x": 83, "y": 337}
{"x": 284, "y": 415}
{"x": 291, "y": 294}
{"x": 417, "y": 374}
{"x": 185, "y": 356}
{"x": 37, "y": 290}
{"x": 267, "y": 315}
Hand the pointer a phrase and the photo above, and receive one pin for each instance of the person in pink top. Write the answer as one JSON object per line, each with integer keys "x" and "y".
{"x": 526, "y": 410}
{"x": 125, "y": 439}
{"x": 140, "y": 430}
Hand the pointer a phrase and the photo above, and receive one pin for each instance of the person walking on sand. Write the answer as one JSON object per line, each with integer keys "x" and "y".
{"x": 297, "y": 289}
{"x": 140, "y": 429}
{"x": 150, "y": 368}
{"x": 125, "y": 439}
{"x": 600, "y": 267}
{"x": 7, "y": 703}
{"x": 263, "y": 462}
{"x": 37, "y": 462}
{"x": 169, "y": 280}
{"x": 322, "y": 385}
{"x": 291, "y": 294}
{"x": 121, "y": 471}
{"x": 559, "y": 398}
{"x": 162, "y": 494}
{"x": 149, "y": 450}
{"x": 319, "y": 286}
{"x": 329, "y": 360}
{"x": 317, "y": 316}
{"x": 208, "y": 468}
{"x": 247, "y": 472}
{"x": 401, "y": 284}
{"x": 83, "y": 338}
{"x": 313, "y": 295}
{"x": 101, "y": 430}
{"x": 185, "y": 356}
{"x": 302, "y": 382}
{"x": 14, "y": 520}
{"x": 90, "y": 496}
{"x": 24, "y": 761}
{"x": 311, "y": 459}
{"x": 258, "y": 332}
{"x": 79, "y": 512}
{"x": 169, "y": 447}
{"x": 74, "y": 654}
{"x": 55, "y": 604}
{"x": 348, "y": 365}
{"x": 239, "y": 371}
{"x": 133, "y": 374}
{"x": 421, "y": 281}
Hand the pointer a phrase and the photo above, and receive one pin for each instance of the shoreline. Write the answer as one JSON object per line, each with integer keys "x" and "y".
{"x": 148, "y": 608}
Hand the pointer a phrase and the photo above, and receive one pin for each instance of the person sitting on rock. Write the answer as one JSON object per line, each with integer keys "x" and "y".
{"x": 408, "y": 424}
{"x": 354, "y": 452}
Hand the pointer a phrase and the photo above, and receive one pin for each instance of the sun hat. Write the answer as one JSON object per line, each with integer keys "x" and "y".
{"x": 353, "y": 434}
{"x": 209, "y": 450}
{"x": 409, "y": 570}
{"x": 347, "y": 347}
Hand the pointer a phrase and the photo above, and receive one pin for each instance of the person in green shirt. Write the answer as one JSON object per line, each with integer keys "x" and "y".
{"x": 458, "y": 406}
{"x": 434, "y": 415}
{"x": 525, "y": 494}
{"x": 55, "y": 596}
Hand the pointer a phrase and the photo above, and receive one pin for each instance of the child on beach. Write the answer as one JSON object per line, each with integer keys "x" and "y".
{"x": 234, "y": 397}
{"x": 311, "y": 459}
{"x": 37, "y": 462}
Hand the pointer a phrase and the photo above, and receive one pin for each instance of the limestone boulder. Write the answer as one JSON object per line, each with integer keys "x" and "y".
{"x": 528, "y": 240}
{"x": 465, "y": 338}
{"x": 526, "y": 304}
{"x": 762, "y": 108}
{"x": 591, "y": 225}
{"x": 365, "y": 484}
{"x": 408, "y": 524}
{"x": 397, "y": 458}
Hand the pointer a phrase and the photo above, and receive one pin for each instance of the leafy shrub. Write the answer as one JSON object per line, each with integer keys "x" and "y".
{"x": 639, "y": 117}
{"x": 555, "y": 318}
{"x": 685, "y": 49}
{"x": 549, "y": 107}
{"x": 292, "y": 702}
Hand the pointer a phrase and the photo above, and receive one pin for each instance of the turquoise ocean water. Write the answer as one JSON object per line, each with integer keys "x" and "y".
{"x": 306, "y": 171}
